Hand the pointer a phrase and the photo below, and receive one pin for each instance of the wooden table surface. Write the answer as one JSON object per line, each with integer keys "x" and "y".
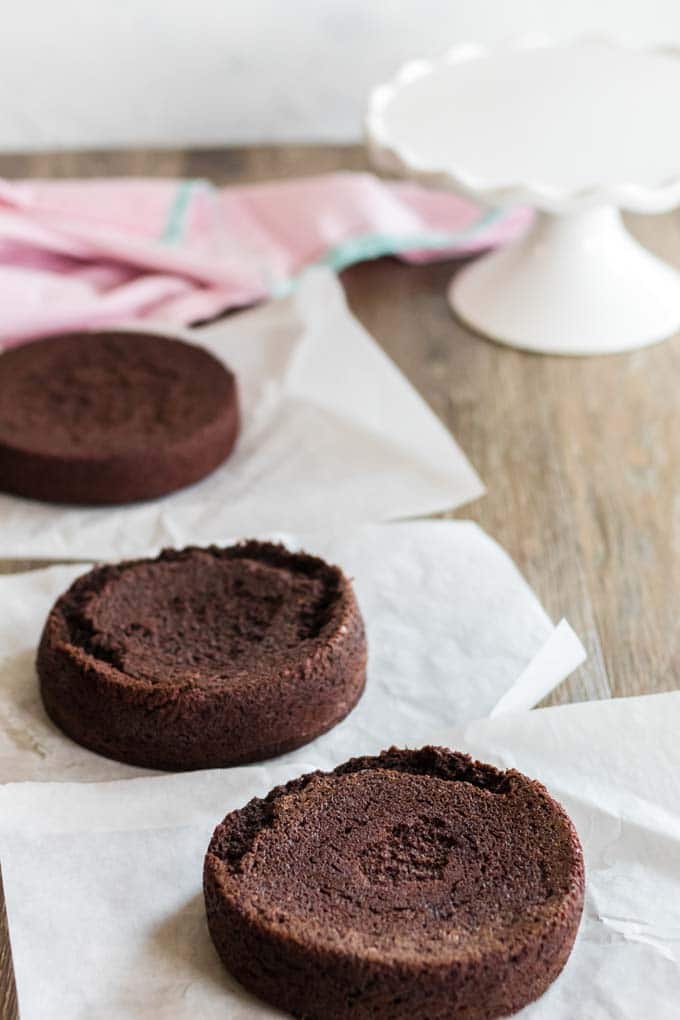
{"x": 580, "y": 456}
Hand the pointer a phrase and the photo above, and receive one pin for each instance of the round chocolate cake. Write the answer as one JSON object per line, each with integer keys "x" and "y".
{"x": 94, "y": 418}
{"x": 204, "y": 657}
{"x": 412, "y": 884}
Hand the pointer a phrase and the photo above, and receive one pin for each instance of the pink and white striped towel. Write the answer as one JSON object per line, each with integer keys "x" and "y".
{"x": 81, "y": 254}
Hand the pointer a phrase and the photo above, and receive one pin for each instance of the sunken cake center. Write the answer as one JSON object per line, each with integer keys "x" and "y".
{"x": 384, "y": 853}
{"x": 415, "y": 851}
{"x": 205, "y": 618}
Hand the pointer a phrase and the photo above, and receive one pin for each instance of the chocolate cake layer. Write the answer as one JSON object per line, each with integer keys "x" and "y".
{"x": 97, "y": 418}
{"x": 204, "y": 657}
{"x": 411, "y": 884}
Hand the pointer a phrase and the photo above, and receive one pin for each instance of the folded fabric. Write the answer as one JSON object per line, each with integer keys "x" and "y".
{"x": 80, "y": 254}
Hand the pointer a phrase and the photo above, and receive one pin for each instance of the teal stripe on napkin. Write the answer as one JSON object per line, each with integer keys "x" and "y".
{"x": 373, "y": 246}
{"x": 175, "y": 226}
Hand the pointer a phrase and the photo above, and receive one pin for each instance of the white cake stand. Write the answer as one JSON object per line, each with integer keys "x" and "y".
{"x": 578, "y": 131}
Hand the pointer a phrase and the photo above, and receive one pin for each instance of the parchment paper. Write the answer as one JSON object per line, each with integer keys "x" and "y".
{"x": 103, "y": 881}
{"x": 333, "y": 434}
{"x": 451, "y": 625}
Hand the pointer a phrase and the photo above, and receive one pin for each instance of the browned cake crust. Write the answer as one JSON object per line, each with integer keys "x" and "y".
{"x": 205, "y": 657}
{"x": 112, "y": 417}
{"x": 416, "y": 884}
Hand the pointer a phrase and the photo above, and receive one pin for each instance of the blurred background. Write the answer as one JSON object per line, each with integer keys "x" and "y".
{"x": 84, "y": 74}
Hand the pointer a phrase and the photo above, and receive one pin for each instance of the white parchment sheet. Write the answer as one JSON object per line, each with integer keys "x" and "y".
{"x": 451, "y": 626}
{"x": 332, "y": 434}
{"x": 103, "y": 880}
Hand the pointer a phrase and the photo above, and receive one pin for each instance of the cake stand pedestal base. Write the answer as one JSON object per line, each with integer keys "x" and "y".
{"x": 575, "y": 283}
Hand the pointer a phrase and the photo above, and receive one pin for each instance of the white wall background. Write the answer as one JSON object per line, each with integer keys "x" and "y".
{"x": 77, "y": 73}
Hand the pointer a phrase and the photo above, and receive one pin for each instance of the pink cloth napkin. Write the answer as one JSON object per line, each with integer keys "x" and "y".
{"x": 79, "y": 254}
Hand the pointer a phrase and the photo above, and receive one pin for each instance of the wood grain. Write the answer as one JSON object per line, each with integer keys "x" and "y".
{"x": 580, "y": 456}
